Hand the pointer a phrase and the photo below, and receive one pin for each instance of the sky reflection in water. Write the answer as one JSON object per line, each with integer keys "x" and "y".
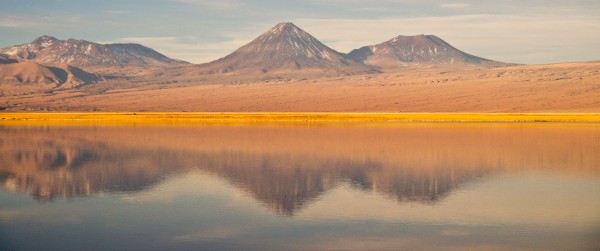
{"x": 420, "y": 186}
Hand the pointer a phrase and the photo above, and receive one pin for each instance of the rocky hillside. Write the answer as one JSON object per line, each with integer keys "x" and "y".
{"x": 81, "y": 53}
{"x": 44, "y": 77}
{"x": 417, "y": 50}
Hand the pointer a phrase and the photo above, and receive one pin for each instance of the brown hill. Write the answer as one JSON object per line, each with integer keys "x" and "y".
{"x": 403, "y": 51}
{"x": 81, "y": 53}
{"x": 285, "y": 48}
{"x": 44, "y": 77}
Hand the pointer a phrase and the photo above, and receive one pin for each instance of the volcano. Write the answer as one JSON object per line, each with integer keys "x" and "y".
{"x": 404, "y": 51}
{"x": 282, "y": 49}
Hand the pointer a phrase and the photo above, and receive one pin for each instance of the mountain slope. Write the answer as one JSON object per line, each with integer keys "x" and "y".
{"x": 81, "y": 53}
{"x": 421, "y": 50}
{"x": 5, "y": 59}
{"x": 284, "y": 48}
{"x": 45, "y": 77}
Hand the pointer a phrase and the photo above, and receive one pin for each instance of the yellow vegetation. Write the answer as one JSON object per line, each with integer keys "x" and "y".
{"x": 203, "y": 118}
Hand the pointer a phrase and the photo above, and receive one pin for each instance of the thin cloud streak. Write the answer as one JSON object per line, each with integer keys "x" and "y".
{"x": 37, "y": 22}
{"x": 220, "y": 4}
{"x": 455, "y": 6}
{"x": 12, "y": 22}
{"x": 190, "y": 49}
{"x": 117, "y": 12}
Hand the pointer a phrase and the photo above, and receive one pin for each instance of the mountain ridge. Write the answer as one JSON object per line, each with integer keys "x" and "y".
{"x": 284, "y": 47}
{"x": 421, "y": 49}
{"x": 283, "y": 52}
{"x": 81, "y": 53}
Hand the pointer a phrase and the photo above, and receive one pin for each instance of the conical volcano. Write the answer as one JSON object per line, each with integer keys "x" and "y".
{"x": 282, "y": 49}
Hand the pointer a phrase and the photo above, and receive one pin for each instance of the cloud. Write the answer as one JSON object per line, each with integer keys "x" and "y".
{"x": 12, "y": 22}
{"x": 455, "y": 6}
{"x": 218, "y": 4}
{"x": 42, "y": 21}
{"x": 190, "y": 49}
{"x": 117, "y": 12}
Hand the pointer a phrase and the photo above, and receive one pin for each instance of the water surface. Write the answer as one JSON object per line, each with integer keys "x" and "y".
{"x": 353, "y": 186}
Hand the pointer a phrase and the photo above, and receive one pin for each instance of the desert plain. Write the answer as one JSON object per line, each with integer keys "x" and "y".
{"x": 553, "y": 88}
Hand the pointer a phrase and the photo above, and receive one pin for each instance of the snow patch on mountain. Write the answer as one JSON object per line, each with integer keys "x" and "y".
{"x": 81, "y": 53}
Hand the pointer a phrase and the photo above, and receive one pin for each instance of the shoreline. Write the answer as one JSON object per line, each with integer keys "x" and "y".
{"x": 291, "y": 117}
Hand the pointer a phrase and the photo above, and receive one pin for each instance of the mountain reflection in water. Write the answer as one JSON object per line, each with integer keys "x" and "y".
{"x": 287, "y": 167}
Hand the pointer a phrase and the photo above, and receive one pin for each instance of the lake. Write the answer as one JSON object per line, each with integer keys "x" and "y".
{"x": 353, "y": 186}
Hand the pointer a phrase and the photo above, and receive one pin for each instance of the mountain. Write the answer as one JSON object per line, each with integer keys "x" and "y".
{"x": 282, "y": 49}
{"x": 421, "y": 50}
{"x": 5, "y": 59}
{"x": 81, "y": 53}
{"x": 44, "y": 77}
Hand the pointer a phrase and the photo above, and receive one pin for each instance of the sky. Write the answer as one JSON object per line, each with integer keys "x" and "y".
{"x": 199, "y": 31}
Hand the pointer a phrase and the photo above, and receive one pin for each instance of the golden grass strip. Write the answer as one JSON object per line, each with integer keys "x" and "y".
{"x": 217, "y": 117}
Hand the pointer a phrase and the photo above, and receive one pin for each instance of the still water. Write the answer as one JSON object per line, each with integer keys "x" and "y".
{"x": 298, "y": 187}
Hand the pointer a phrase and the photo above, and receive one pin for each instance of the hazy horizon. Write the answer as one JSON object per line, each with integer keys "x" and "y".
{"x": 199, "y": 31}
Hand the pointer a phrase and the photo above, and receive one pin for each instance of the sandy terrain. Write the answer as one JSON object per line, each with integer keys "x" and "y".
{"x": 569, "y": 87}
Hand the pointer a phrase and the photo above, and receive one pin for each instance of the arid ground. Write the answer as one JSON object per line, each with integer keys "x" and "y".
{"x": 567, "y": 87}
